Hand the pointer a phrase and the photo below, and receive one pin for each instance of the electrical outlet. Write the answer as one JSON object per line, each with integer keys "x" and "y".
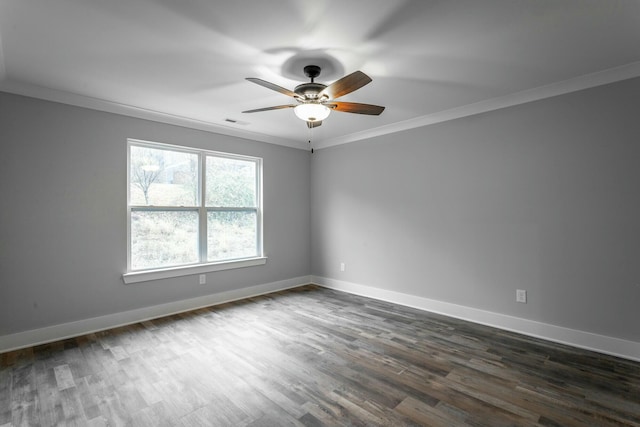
{"x": 342, "y": 266}
{"x": 203, "y": 279}
{"x": 521, "y": 296}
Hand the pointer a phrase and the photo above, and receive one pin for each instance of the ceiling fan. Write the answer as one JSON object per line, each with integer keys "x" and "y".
{"x": 316, "y": 100}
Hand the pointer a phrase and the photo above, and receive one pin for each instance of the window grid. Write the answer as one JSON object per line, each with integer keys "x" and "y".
{"x": 201, "y": 208}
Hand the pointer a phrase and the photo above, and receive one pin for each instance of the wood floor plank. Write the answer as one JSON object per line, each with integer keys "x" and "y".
{"x": 64, "y": 377}
{"x": 23, "y": 394}
{"x": 50, "y": 411}
{"x": 426, "y": 415}
{"x": 315, "y": 357}
{"x": 488, "y": 390}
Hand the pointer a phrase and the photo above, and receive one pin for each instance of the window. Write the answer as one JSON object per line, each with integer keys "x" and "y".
{"x": 191, "y": 211}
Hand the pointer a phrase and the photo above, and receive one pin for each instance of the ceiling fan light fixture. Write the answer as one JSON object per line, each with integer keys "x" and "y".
{"x": 316, "y": 100}
{"x": 312, "y": 112}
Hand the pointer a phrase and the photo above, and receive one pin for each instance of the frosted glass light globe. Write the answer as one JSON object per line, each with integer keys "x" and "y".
{"x": 312, "y": 112}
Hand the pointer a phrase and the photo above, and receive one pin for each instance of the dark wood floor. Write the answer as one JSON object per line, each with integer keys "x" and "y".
{"x": 313, "y": 357}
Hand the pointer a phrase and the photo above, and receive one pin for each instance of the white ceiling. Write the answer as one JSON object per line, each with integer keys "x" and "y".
{"x": 185, "y": 61}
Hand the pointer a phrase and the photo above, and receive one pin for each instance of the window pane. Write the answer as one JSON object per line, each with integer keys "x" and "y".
{"x": 231, "y": 235}
{"x": 163, "y": 177}
{"x": 230, "y": 182}
{"x": 162, "y": 239}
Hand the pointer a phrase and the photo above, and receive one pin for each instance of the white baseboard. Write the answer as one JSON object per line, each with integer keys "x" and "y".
{"x": 581, "y": 339}
{"x": 95, "y": 324}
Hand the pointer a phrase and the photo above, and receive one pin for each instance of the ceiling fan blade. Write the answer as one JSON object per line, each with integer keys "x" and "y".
{"x": 272, "y": 86}
{"x": 277, "y": 107}
{"x": 355, "y": 107}
{"x": 346, "y": 85}
{"x": 312, "y": 125}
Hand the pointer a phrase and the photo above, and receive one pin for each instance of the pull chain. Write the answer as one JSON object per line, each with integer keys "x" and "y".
{"x": 310, "y": 138}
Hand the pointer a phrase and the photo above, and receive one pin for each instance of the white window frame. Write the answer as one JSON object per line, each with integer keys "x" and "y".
{"x": 202, "y": 266}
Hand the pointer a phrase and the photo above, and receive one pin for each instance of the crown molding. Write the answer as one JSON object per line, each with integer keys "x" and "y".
{"x": 586, "y": 81}
{"x": 575, "y": 84}
{"x": 98, "y": 104}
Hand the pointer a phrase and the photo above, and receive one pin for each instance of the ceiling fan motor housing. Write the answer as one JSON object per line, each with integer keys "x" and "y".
{"x": 309, "y": 91}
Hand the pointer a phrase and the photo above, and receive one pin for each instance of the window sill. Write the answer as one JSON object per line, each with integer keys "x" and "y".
{"x": 166, "y": 273}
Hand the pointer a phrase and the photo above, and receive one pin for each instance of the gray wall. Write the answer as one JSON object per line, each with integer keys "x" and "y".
{"x": 63, "y": 214}
{"x": 544, "y": 197}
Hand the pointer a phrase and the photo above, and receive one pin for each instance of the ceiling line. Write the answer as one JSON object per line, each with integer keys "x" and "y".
{"x": 92, "y": 103}
{"x": 574, "y": 84}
